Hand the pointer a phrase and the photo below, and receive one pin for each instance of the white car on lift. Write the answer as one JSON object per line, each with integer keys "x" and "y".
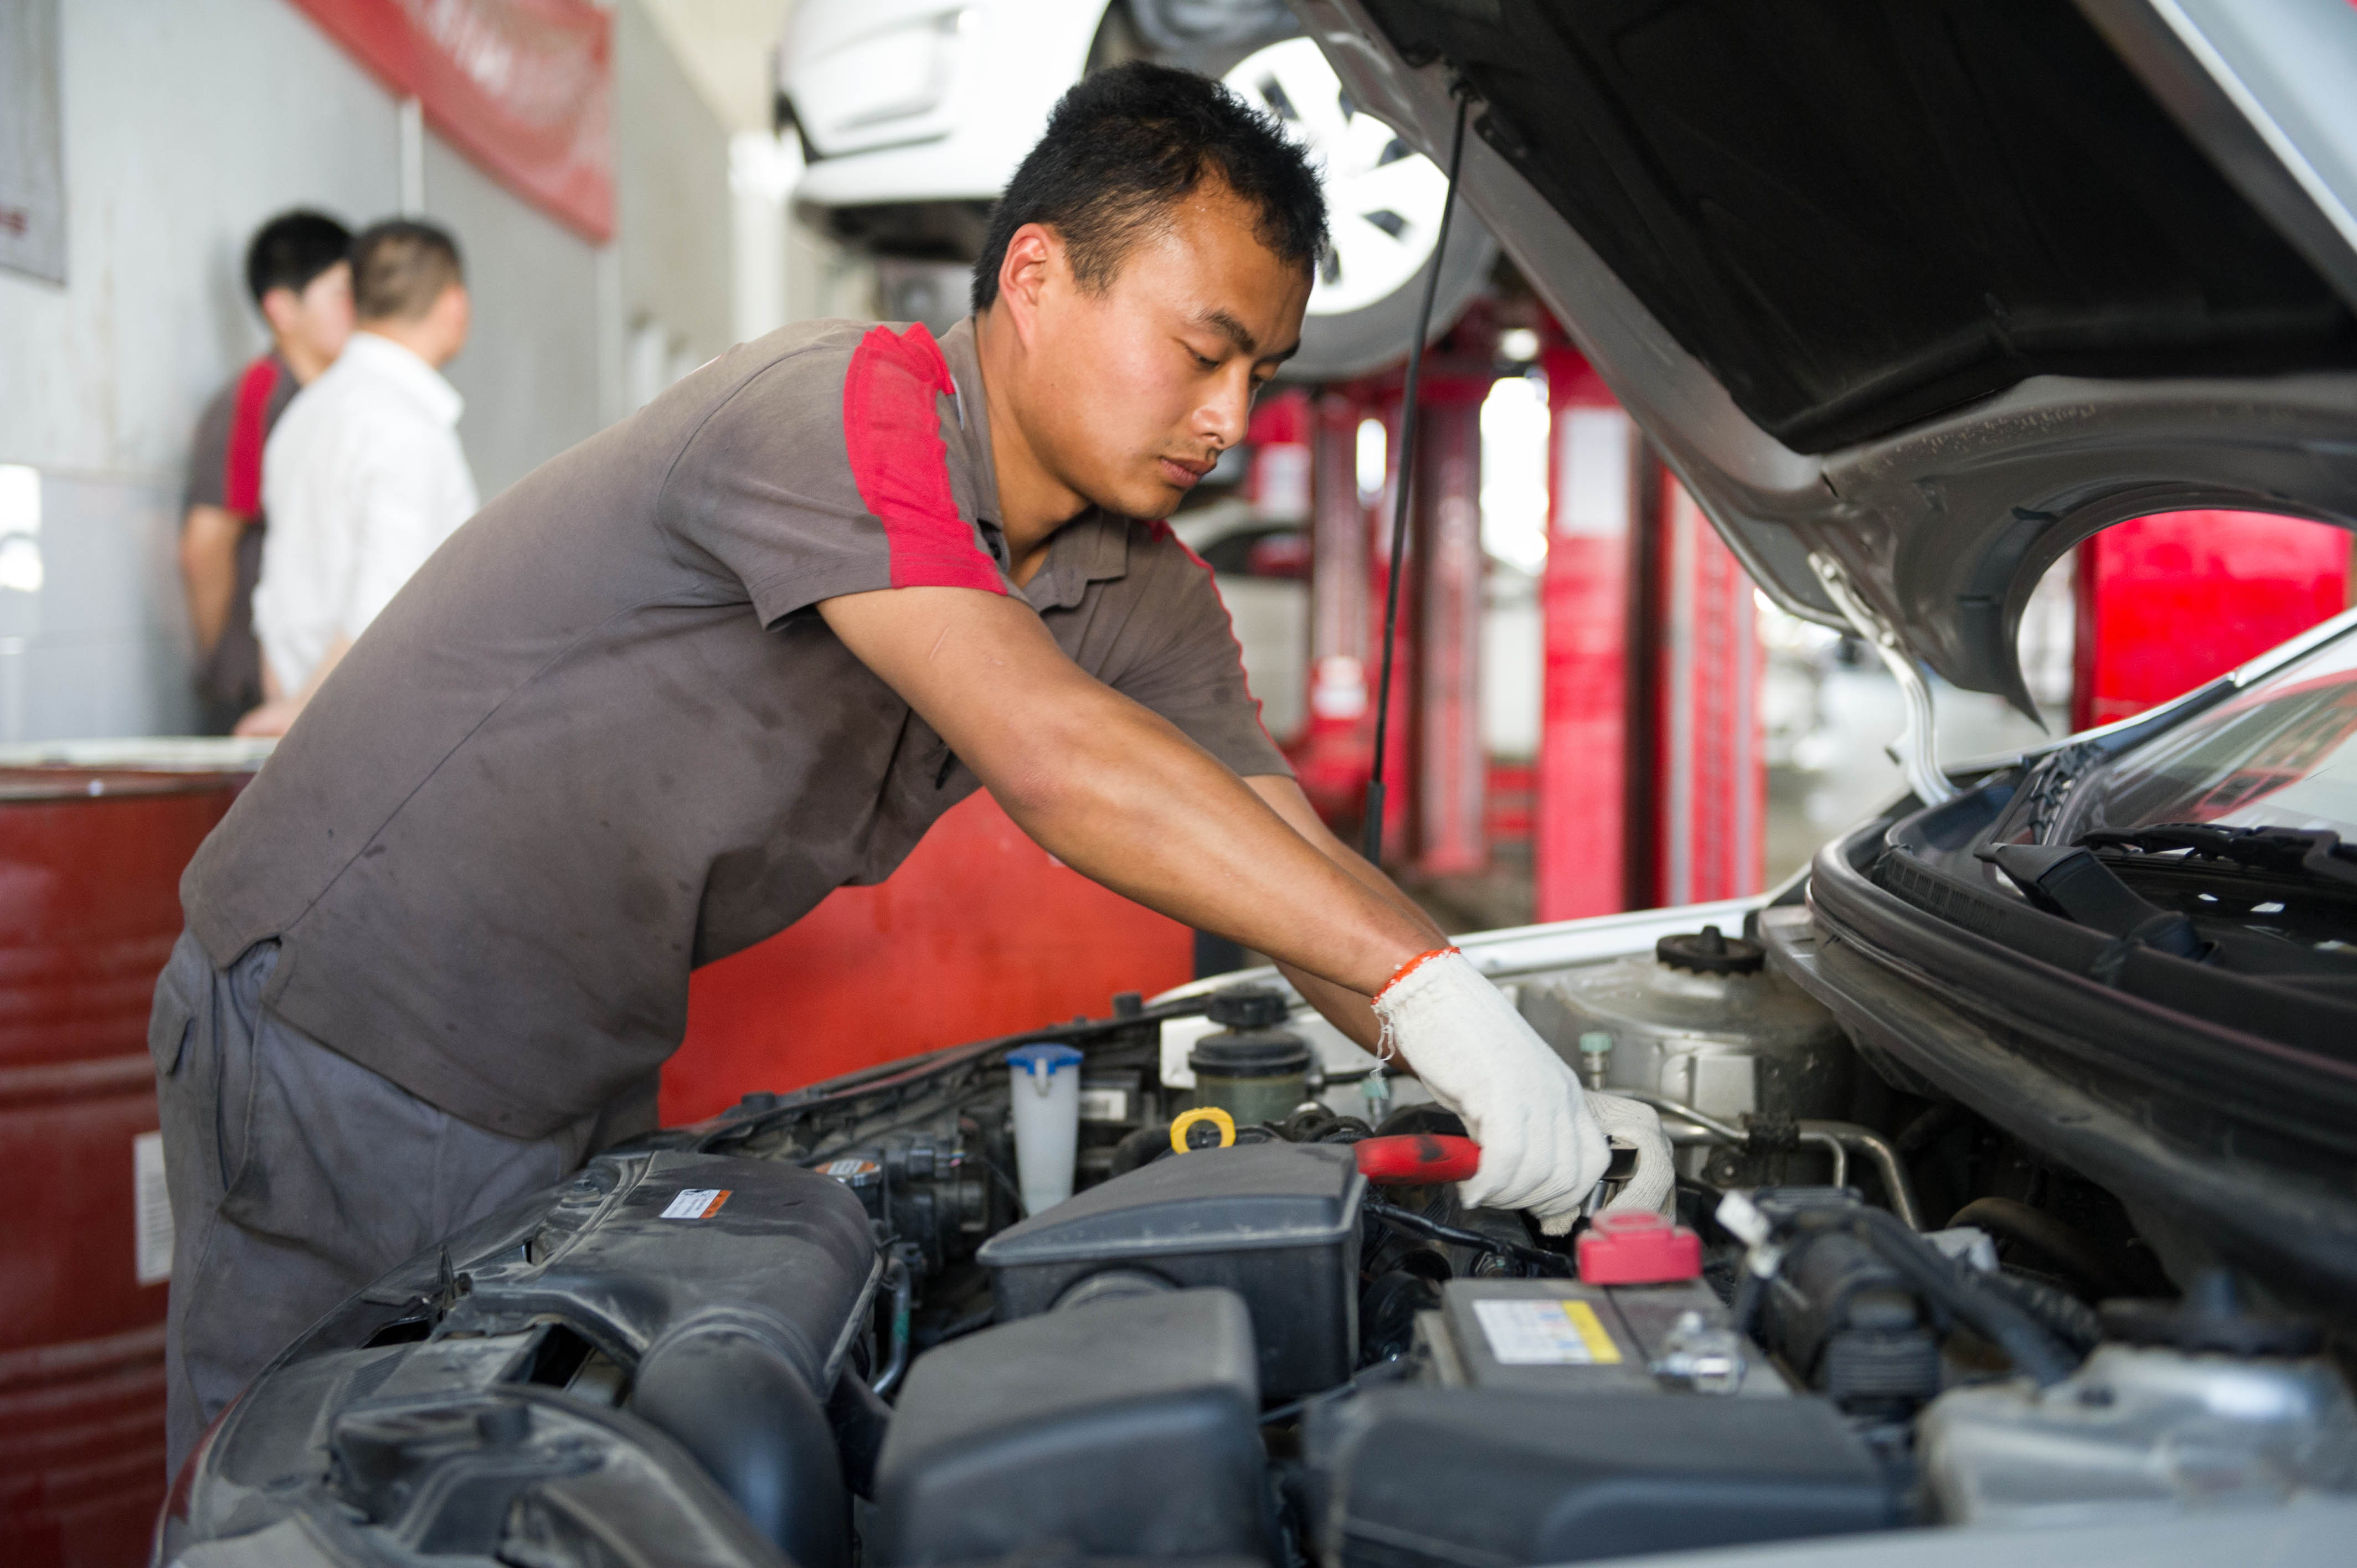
{"x": 914, "y": 114}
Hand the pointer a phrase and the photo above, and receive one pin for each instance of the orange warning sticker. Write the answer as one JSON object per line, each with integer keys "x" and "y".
{"x": 697, "y": 1203}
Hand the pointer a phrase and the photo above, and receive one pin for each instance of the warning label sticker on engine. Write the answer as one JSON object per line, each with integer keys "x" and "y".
{"x": 697, "y": 1203}
{"x": 1546, "y": 1333}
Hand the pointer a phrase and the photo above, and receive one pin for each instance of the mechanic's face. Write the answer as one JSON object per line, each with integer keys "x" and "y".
{"x": 1144, "y": 384}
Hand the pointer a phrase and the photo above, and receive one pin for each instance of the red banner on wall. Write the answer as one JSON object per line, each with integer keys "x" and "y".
{"x": 524, "y": 88}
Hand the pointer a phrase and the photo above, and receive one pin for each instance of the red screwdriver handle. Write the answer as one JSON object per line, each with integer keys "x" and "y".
{"x": 1415, "y": 1158}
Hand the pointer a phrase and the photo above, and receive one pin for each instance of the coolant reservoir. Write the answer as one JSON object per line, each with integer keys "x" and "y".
{"x": 1702, "y": 1021}
{"x": 1254, "y": 1069}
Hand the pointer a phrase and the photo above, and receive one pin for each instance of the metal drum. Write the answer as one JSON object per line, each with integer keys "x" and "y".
{"x": 89, "y": 868}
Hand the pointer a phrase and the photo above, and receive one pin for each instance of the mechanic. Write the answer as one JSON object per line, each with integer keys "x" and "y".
{"x": 652, "y": 703}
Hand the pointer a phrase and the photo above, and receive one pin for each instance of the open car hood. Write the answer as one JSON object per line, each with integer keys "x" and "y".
{"x": 1928, "y": 290}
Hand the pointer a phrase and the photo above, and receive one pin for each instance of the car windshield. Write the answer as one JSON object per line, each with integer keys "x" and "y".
{"x": 2281, "y": 754}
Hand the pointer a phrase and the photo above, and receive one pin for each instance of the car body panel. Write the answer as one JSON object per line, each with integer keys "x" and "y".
{"x": 926, "y": 99}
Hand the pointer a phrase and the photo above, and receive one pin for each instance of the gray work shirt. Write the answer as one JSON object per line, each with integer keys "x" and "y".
{"x": 603, "y": 737}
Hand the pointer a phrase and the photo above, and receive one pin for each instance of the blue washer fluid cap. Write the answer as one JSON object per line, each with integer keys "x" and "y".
{"x": 1039, "y": 1059}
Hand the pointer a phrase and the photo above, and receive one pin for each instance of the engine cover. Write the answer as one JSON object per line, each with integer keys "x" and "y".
{"x": 466, "y": 1402}
{"x": 1276, "y": 1223}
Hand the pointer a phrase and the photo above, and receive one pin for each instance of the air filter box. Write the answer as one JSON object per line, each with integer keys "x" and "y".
{"x": 1276, "y": 1223}
{"x": 1126, "y": 1427}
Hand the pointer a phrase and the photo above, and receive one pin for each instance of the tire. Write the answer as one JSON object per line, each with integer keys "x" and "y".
{"x": 1384, "y": 203}
{"x": 1373, "y": 338}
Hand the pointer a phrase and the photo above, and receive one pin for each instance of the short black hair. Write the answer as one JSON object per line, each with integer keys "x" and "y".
{"x": 400, "y": 267}
{"x": 1126, "y": 145}
{"x": 292, "y": 249}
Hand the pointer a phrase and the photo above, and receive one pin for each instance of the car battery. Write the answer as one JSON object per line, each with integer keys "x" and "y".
{"x": 1569, "y": 1337}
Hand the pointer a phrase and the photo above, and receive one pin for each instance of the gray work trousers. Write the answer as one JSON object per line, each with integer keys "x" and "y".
{"x": 297, "y": 1175}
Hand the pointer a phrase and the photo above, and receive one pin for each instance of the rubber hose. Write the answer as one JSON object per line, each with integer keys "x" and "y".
{"x": 2057, "y": 1242}
{"x": 737, "y": 1403}
{"x": 903, "y": 1303}
{"x": 2070, "y": 1320}
{"x": 860, "y": 1419}
{"x": 2035, "y": 1352}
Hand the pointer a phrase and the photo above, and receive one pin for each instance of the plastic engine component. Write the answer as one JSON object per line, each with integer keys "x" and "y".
{"x": 468, "y": 1396}
{"x": 1126, "y": 1427}
{"x": 1427, "y": 1478}
{"x": 1276, "y": 1223}
{"x": 2139, "y": 1432}
{"x": 1637, "y": 1248}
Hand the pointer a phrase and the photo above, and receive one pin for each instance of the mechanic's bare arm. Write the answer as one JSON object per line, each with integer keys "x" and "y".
{"x": 209, "y": 537}
{"x": 1345, "y": 1009}
{"x": 278, "y": 714}
{"x": 1115, "y": 792}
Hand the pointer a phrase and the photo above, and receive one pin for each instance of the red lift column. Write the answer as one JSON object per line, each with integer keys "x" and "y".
{"x": 1710, "y": 772}
{"x": 1452, "y": 772}
{"x": 1336, "y": 750}
{"x": 2167, "y": 603}
{"x": 1580, "y": 856}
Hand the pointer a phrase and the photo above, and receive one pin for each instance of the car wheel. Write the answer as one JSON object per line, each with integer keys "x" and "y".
{"x": 1384, "y": 198}
{"x": 1383, "y": 202}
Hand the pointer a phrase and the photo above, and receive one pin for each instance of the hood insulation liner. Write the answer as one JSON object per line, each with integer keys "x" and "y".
{"x": 1859, "y": 213}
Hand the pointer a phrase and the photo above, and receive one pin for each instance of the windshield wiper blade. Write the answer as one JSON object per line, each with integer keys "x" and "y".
{"x": 2314, "y": 851}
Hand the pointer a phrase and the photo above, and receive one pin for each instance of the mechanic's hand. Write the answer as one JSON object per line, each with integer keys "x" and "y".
{"x": 1652, "y": 1186}
{"x": 1541, "y": 1147}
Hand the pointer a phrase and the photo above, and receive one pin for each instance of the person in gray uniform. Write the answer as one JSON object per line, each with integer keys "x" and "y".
{"x": 658, "y": 699}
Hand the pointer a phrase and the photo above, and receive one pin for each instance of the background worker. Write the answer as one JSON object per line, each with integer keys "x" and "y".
{"x": 365, "y": 476}
{"x": 296, "y": 271}
{"x": 675, "y": 686}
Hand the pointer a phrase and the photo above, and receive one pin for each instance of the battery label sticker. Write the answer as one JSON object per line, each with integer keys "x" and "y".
{"x": 152, "y": 1210}
{"x": 1104, "y": 1105}
{"x": 1546, "y": 1333}
{"x": 697, "y": 1203}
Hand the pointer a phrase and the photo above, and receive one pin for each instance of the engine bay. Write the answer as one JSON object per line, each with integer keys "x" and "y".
{"x": 821, "y": 1330}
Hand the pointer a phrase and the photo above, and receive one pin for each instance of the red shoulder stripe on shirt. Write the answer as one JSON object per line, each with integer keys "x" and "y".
{"x": 249, "y": 427}
{"x": 891, "y": 429}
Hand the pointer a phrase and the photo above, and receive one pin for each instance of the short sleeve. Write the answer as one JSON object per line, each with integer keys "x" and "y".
{"x": 209, "y": 459}
{"x": 1189, "y": 667}
{"x": 828, "y": 472}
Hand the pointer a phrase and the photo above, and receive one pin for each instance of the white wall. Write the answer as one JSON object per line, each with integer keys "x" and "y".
{"x": 188, "y": 124}
{"x": 185, "y": 125}
{"x": 672, "y": 205}
{"x": 530, "y": 371}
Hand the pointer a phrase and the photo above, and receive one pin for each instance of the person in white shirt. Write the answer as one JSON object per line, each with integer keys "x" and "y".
{"x": 363, "y": 477}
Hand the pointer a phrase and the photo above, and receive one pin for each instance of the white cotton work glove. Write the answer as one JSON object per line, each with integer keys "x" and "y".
{"x": 1541, "y": 1147}
{"x": 1544, "y": 1137}
{"x": 1652, "y": 1186}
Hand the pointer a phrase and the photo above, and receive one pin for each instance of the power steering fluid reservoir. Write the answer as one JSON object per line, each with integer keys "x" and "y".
{"x": 1254, "y": 1069}
{"x": 1702, "y": 1021}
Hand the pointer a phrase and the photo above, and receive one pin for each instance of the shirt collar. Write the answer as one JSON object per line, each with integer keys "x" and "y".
{"x": 973, "y": 437}
{"x": 372, "y": 354}
{"x": 1092, "y": 548}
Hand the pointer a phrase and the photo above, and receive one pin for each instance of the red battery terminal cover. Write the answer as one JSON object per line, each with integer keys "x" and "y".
{"x": 1637, "y": 1248}
{"x": 1414, "y": 1159}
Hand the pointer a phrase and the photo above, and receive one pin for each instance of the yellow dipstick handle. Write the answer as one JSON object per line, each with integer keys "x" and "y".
{"x": 1196, "y": 1129}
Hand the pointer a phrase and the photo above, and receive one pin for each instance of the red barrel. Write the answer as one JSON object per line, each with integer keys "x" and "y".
{"x": 89, "y": 870}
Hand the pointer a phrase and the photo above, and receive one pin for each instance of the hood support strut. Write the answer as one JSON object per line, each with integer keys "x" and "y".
{"x": 1917, "y": 747}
